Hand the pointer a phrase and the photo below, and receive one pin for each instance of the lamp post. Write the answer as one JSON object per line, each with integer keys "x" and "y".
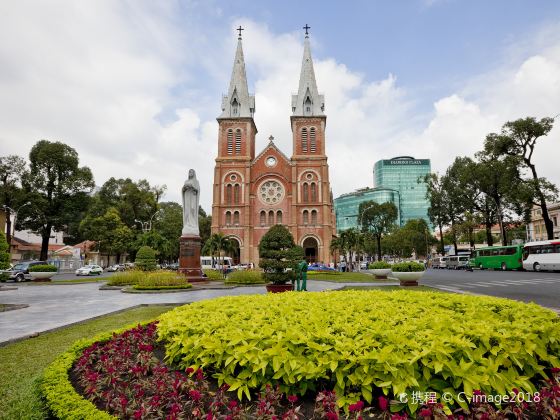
{"x": 13, "y": 227}
{"x": 147, "y": 226}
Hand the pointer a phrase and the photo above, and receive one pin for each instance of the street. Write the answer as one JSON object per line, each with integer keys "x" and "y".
{"x": 539, "y": 287}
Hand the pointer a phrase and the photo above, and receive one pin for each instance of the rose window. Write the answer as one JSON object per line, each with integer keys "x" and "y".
{"x": 271, "y": 192}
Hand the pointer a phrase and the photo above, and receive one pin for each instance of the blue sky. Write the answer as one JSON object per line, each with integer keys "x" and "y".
{"x": 135, "y": 86}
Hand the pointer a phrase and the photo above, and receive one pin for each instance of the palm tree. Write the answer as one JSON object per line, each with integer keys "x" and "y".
{"x": 219, "y": 244}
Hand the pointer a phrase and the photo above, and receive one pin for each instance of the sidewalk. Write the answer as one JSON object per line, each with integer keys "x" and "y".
{"x": 54, "y": 306}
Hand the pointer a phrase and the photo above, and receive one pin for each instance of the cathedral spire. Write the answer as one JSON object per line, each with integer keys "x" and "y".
{"x": 307, "y": 102}
{"x": 238, "y": 103}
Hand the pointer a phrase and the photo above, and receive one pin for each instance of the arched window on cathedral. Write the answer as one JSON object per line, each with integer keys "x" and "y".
{"x": 313, "y": 192}
{"x": 263, "y": 218}
{"x": 312, "y": 141}
{"x": 236, "y": 218}
{"x": 237, "y": 193}
{"x": 305, "y": 217}
{"x": 238, "y": 142}
{"x": 279, "y": 217}
{"x": 228, "y": 218}
{"x": 304, "y": 140}
{"x": 305, "y": 192}
{"x": 230, "y": 142}
{"x": 313, "y": 217}
{"x": 270, "y": 218}
{"x": 228, "y": 193}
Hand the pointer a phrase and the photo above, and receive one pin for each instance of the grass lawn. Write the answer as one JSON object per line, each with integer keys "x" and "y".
{"x": 23, "y": 362}
{"x": 357, "y": 277}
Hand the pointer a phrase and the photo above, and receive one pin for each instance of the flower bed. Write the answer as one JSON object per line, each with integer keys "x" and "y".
{"x": 366, "y": 343}
{"x": 122, "y": 376}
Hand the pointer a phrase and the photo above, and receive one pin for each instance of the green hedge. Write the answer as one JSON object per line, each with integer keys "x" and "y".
{"x": 60, "y": 396}
{"x": 407, "y": 267}
{"x": 364, "y": 342}
{"x": 245, "y": 277}
{"x": 125, "y": 278}
{"x": 44, "y": 268}
{"x": 379, "y": 265}
{"x": 179, "y": 286}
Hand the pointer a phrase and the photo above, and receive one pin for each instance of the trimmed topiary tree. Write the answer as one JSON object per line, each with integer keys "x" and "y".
{"x": 146, "y": 259}
{"x": 279, "y": 255}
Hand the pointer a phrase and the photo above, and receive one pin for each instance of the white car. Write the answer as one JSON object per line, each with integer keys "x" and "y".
{"x": 88, "y": 270}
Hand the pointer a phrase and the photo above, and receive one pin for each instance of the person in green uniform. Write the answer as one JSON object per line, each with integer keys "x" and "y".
{"x": 302, "y": 275}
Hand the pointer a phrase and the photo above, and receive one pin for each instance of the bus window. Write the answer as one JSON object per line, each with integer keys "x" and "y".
{"x": 546, "y": 249}
{"x": 526, "y": 252}
{"x": 557, "y": 249}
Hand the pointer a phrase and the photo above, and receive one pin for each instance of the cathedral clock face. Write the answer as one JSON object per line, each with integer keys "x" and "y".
{"x": 271, "y": 161}
{"x": 271, "y": 192}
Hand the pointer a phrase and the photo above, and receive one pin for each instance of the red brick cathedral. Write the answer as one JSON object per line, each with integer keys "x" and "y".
{"x": 255, "y": 191}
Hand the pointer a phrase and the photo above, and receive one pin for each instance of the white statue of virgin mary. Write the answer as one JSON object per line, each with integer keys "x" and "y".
{"x": 191, "y": 194}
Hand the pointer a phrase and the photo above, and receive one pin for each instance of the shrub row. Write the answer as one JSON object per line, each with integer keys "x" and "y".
{"x": 43, "y": 268}
{"x": 245, "y": 277}
{"x": 147, "y": 279}
{"x": 214, "y": 275}
{"x": 396, "y": 342}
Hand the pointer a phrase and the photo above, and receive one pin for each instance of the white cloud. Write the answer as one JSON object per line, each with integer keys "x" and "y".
{"x": 99, "y": 77}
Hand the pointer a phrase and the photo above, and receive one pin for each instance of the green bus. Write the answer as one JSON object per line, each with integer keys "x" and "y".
{"x": 498, "y": 257}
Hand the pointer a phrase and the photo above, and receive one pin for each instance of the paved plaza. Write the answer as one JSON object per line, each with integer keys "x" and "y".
{"x": 54, "y": 306}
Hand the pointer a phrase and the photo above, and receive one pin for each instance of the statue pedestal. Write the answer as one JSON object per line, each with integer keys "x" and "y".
{"x": 189, "y": 258}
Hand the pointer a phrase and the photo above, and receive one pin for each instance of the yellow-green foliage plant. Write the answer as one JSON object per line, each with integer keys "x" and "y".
{"x": 125, "y": 278}
{"x": 245, "y": 277}
{"x": 215, "y": 275}
{"x": 364, "y": 342}
{"x": 162, "y": 278}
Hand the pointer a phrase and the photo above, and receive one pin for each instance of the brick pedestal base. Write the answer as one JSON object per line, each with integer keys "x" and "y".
{"x": 189, "y": 258}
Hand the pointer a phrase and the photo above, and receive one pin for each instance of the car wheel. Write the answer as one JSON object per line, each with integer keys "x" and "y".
{"x": 504, "y": 267}
{"x": 480, "y": 266}
{"x": 537, "y": 267}
{"x": 20, "y": 277}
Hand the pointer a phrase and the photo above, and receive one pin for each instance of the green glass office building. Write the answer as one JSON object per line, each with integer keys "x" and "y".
{"x": 402, "y": 174}
{"x": 346, "y": 206}
{"x": 396, "y": 181}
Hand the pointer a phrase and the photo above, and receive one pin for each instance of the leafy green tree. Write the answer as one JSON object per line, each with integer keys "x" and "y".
{"x": 4, "y": 252}
{"x": 57, "y": 187}
{"x": 436, "y": 196}
{"x": 377, "y": 219}
{"x": 204, "y": 225}
{"x": 350, "y": 239}
{"x": 110, "y": 234}
{"x": 168, "y": 225}
{"x": 12, "y": 171}
{"x": 278, "y": 253}
{"x": 517, "y": 140}
{"x": 218, "y": 245}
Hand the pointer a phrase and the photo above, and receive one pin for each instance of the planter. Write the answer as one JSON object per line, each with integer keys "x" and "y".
{"x": 409, "y": 278}
{"x": 381, "y": 273}
{"x": 279, "y": 288}
{"x": 42, "y": 275}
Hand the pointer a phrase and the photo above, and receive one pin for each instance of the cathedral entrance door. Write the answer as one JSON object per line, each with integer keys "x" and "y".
{"x": 235, "y": 251}
{"x": 311, "y": 249}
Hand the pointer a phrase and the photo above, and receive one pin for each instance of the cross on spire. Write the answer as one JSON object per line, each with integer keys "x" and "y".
{"x": 240, "y": 29}
{"x": 306, "y": 27}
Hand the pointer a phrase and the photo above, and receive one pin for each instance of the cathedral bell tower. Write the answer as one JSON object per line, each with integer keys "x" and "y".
{"x": 313, "y": 205}
{"x": 236, "y": 151}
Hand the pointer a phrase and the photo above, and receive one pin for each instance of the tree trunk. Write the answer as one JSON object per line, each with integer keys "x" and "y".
{"x": 378, "y": 240}
{"x": 8, "y": 228}
{"x": 501, "y": 222}
{"x": 442, "y": 243}
{"x": 45, "y": 237}
{"x": 454, "y": 236}
{"x": 542, "y": 203}
{"x": 488, "y": 228}
{"x": 471, "y": 237}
